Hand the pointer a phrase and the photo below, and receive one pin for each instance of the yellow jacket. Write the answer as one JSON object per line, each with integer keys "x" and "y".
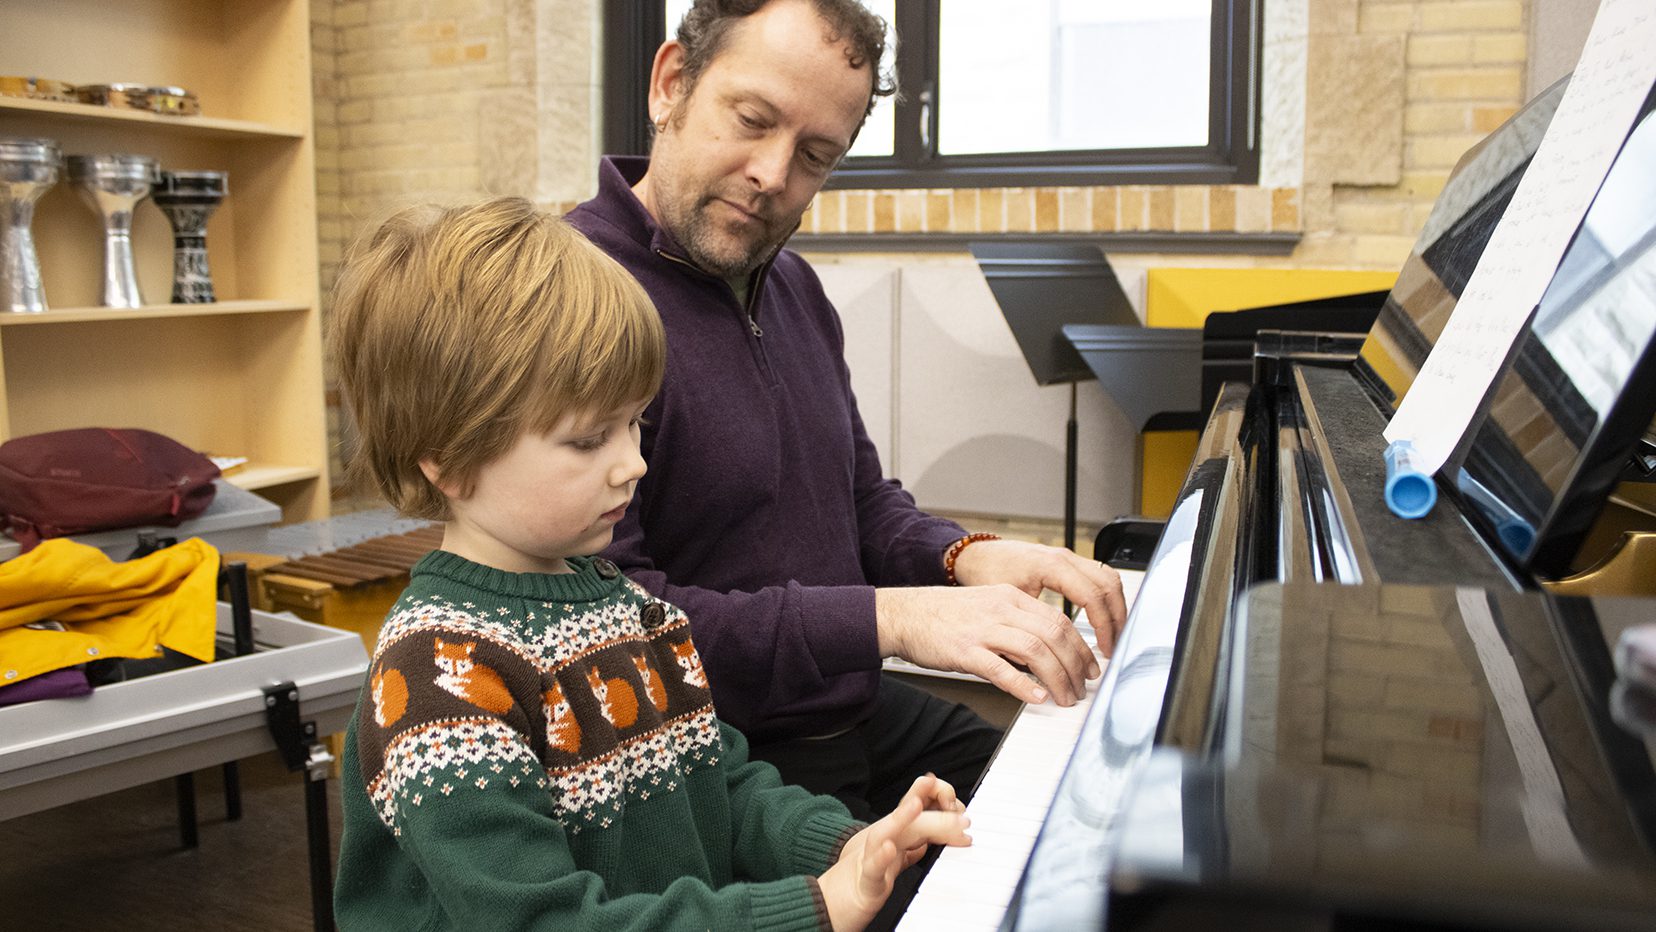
{"x": 109, "y": 609}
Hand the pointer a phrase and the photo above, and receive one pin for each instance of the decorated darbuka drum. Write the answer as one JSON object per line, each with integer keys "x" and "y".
{"x": 113, "y": 185}
{"x": 27, "y": 168}
{"x": 188, "y": 198}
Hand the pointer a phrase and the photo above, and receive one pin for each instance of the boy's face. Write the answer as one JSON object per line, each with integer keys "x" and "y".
{"x": 552, "y": 495}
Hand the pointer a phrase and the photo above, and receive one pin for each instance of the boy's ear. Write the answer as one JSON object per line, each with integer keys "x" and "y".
{"x": 428, "y": 467}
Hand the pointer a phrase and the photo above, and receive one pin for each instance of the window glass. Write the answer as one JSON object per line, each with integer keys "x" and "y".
{"x": 1040, "y": 93}
{"x": 1069, "y": 75}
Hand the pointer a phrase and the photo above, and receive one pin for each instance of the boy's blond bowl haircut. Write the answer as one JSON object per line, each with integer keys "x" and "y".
{"x": 456, "y": 330}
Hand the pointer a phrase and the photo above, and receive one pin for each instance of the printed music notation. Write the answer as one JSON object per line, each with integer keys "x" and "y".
{"x": 1604, "y": 96}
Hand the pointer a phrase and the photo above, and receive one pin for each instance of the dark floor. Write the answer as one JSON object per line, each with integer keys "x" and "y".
{"x": 116, "y": 861}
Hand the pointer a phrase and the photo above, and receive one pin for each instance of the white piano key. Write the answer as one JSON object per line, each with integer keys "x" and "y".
{"x": 1022, "y": 808}
{"x": 996, "y": 854}
{"x": 985, "y": 839}
{"x": 1001, "y": 824}
{"x": 970, "y": 888}
{"x": 1038, "y": 742}
{"x": 1050, "y": 709}
{"x": 990, "y": 885}
{"x": 1034, "y": 741}
{"x": 1030, "y": 756}
{"x": 1030, "y": 813}
{"x": 948, "y": 915}
{"x": 1036, "y": 786}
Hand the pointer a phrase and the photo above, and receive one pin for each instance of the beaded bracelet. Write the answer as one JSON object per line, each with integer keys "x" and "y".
{"x": 953, "y": 553}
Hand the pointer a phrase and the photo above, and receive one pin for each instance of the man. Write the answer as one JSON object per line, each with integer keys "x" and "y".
{"x": 764, "y": 513}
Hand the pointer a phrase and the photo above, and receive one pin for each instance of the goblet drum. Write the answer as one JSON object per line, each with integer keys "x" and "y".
{"x": 27, "y": 168}
{"x": 113, "y": 185}
{"x": 188, "y": 199}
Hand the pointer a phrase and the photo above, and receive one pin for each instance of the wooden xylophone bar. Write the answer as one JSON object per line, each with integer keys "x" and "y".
{"x": 370, "y": 561}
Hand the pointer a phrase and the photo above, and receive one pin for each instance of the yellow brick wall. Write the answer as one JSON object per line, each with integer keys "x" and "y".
{"x": 437, "y": 101}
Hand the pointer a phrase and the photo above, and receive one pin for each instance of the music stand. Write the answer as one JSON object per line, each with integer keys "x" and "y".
{"x": 1041, "y": 287}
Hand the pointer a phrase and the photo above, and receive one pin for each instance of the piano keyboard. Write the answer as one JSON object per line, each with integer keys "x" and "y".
{"x": 969, "y": 888}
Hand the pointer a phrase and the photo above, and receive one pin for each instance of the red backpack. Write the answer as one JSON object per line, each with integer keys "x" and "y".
{"x": 96, "y": 478}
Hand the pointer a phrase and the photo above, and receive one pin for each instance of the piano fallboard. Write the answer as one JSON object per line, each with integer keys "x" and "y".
{"x": 1408, "y": 755}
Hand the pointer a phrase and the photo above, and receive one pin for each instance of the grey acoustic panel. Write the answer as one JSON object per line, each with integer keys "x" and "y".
{"x": 977, "y": 434}
{"x": 865, "y": 292}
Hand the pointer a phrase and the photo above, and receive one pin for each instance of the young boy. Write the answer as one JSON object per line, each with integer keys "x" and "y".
{"x": 536, "y": 745}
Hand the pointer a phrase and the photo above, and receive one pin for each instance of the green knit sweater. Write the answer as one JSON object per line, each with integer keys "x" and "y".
{"x": 539, "y": 752}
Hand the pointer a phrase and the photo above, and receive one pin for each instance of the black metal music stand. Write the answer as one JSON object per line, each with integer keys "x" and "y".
{"x": 1041, "y": 287}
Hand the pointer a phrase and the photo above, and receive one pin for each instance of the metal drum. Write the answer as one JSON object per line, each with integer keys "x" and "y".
{"x": 188, "y": 198}
{"x": 27, "y": 168}
{"x": 113, "y": 185}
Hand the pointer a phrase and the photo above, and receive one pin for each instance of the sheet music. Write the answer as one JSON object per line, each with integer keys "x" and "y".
{"x": 1603, "y": 98}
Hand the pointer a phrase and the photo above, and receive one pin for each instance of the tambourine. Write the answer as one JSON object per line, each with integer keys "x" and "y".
{"x": 37, "y": 88}
{"x": 169, "y": 101}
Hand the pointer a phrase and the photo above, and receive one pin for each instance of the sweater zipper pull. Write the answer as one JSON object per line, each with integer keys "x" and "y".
{"x": 754, "y": 326}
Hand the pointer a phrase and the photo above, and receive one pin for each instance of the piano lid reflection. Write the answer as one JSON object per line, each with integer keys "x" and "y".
{"x": 1321, "y": 713}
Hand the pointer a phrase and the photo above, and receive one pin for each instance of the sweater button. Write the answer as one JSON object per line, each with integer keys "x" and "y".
{"x": 605, "y": 568}
{"x": 654, "y": 616}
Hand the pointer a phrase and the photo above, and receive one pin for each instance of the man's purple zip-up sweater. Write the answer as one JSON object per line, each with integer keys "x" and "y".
{"x": 764, "y": 514}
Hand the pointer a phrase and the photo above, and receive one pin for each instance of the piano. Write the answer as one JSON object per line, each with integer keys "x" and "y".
{"x": 1321, "y": 715}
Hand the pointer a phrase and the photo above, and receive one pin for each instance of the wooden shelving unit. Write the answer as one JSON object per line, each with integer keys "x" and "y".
{"x": 203, "y": 126}
{"x": 241, "y": 377}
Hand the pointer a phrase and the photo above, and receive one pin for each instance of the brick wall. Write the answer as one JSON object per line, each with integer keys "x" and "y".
{"x": 446, "y": 100}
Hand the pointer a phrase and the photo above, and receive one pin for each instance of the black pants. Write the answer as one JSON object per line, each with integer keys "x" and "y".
{"x": 870, "y": 767}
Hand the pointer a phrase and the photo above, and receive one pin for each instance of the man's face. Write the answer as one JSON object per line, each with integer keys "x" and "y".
{"x": 743, "y": 155}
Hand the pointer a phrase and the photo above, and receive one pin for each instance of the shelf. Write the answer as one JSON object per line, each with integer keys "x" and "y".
{"x": 255, "y": 476}
{"x": 244, "y": 375}
{"x": 81, "y": 315}
{"x": 200, "y": 126}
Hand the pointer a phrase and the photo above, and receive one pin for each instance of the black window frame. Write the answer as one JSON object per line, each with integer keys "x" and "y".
{"x": 634, "y": 30}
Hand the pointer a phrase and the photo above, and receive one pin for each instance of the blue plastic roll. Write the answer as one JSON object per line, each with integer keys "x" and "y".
{"x": 1410, "y": 491}
{"x": 1513, "y": 531}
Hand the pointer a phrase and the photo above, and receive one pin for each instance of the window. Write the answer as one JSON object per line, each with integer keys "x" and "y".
{"x": 1053, "y": 92}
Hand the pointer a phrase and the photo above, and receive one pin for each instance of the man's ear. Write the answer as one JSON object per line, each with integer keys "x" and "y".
{"x": 666, "y": 80}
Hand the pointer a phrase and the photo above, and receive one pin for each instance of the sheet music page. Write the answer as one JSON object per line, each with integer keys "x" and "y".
{"x": 1599, "y": 106}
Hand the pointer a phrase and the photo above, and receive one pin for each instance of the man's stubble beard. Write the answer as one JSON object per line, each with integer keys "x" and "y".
{"x": 708, "y": 245}
{"x": 724, "y": 254}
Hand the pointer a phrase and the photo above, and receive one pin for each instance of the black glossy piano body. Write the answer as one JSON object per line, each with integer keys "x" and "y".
{"x": 1324, "y": 716}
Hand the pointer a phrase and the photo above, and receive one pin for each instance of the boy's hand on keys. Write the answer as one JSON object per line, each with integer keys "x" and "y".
{"x": 857, "y": 885}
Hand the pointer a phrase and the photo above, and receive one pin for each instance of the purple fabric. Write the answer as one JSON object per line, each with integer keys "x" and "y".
{"x": 54, "y": 684}
{"x": 765, "y": 514}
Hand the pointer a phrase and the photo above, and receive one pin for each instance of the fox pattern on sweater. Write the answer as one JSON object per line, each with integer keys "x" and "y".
{"x": 567, "y": 698}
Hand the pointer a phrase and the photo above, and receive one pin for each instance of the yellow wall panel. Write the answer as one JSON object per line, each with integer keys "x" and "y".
{"x": 1184, "y": 297}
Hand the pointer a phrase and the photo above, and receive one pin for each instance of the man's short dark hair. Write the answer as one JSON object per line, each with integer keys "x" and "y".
{"x": 706, "y": 29}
